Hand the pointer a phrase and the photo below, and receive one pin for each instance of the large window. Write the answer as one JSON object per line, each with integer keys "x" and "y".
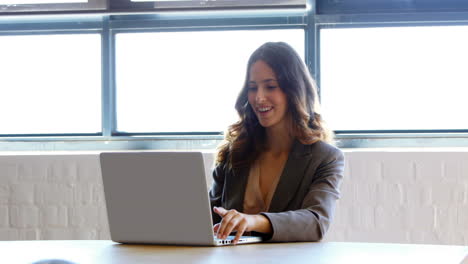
{"x": 28, "y": 6}
{"x": 29, "y": 2}
{"x": 124, "y": 74}
{"x": 395, "y": 78}
{"x": 185, "y": 81}
{"x": 205, "y": 4}
{"x": 222, "y": 3}
{"x": 50, "y": 84}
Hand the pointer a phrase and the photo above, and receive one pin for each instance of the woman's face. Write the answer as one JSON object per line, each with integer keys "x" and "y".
{"x": 265, "y": 96}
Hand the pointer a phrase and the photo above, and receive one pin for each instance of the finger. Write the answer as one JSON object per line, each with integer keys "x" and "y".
{"x": 225, "y": 222}
{"x": 240, "y": 231}
{"x": 220, "y": 211}
{"x": 216, "y": 227}
{"x": 232, "y": 225}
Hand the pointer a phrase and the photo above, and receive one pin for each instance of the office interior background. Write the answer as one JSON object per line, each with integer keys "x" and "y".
{"x": 81, "y": 77}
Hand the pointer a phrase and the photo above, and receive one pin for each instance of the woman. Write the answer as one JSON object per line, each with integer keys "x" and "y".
{"x": 276, "y": 173}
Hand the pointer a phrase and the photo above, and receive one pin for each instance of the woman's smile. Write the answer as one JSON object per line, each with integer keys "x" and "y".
{"x": 264, "y": 111}
{"x": 265, "y": 96}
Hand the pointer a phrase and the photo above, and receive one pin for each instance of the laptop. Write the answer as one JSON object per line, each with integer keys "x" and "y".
{"x": 159, "y": 198}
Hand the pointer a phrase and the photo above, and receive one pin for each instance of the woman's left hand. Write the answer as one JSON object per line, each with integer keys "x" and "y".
{"x": 233, "y": 221}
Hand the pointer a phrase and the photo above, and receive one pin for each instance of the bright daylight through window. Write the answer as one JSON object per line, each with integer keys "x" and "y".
{"x": 185, "y": 81}
{"x": 391, "y": 78}
{"x": 23, "y": 2}
{"x": 50, "y": 84}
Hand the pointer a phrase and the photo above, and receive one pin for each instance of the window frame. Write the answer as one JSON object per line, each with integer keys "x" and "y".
{"x": 198, "y": 23}
{"x": 127, "y": 6}
{"x": 91, "y": 5}
{"x": 311, "y": 19}
{"x": 108, "y": 26}
{"x": 120, "y": 5}
{"x": 392, "y": 138}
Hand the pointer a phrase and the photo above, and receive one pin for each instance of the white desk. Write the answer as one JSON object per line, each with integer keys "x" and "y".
{"x": 104, "y": 251}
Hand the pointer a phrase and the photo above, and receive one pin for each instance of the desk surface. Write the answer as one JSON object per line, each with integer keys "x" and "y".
{"x": 104, "y": 251}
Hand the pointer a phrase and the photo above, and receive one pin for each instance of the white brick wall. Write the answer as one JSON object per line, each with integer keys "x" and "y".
{"x": 412, "y": 196}
{"x": 51, "y": 197}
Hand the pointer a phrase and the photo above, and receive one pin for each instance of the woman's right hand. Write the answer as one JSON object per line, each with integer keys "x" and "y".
{"x": 232, "y": 220}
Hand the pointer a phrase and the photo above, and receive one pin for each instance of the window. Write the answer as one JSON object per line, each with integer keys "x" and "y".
{"x": 29, "y": 2}
{"x": 185, "y": 81}
{"x": 19, "y": 6}
{"x": 395, "y": 78}
{"x": 51, "y": 84}
{"x": 133, "y": 74}
{"x": 205, "y": 4}
{"x": 221, "y": 3}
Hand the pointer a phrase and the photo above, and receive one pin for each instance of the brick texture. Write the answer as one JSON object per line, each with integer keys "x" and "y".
{"x": 4, "y": 215}
{"x": 386, "y": 196}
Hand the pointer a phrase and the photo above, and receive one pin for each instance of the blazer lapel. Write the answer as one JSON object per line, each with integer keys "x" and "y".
{"x": 235, "y": 189}
{"x": 290, "y": 179}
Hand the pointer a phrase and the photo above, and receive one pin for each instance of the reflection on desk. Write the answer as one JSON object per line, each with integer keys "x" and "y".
{"x": 104, "y": 251}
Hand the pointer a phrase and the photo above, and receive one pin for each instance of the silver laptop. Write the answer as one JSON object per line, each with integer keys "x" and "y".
{"x": 159, "y": 198}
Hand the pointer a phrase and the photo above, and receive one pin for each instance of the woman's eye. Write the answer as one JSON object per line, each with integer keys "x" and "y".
{"x": 252, "y": 89}
{"x": 271, "y": 87}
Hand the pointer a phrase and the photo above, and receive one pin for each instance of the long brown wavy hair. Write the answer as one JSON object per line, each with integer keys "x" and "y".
{"x": 245, "y": 139}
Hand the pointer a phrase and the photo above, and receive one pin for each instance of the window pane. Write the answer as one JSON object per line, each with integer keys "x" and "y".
{"x": 19, "y": 6}
{"x": 22, "y": 2}
{"x": 50, "y": 84}
{"x": 395, "y": 77}
{"x": 185, "y": 81}
{"x": 204, "y": 3}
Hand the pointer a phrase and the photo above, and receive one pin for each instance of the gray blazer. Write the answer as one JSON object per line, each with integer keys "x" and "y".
{"x": 302, "y": 206}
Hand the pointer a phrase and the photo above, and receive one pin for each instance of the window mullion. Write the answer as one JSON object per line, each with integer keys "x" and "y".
{"x": 108, "y": 80}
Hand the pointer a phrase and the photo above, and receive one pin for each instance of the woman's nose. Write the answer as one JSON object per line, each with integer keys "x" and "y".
{"x": 260, "y": 96}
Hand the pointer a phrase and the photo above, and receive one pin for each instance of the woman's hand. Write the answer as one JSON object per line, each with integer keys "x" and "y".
{"x": 232, "y": 220}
